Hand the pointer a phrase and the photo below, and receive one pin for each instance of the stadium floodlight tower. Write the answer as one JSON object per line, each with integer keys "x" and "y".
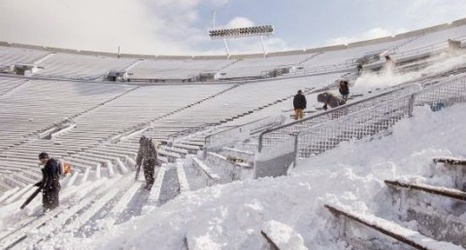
{"x": 254, "y": 31}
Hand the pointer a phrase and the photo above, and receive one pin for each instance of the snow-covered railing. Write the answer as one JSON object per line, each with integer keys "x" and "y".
{"x": 437, "y": 47}
{"x": 325, "y": 136}
{"x": 288, "y": 131}
{"x": 444, "y": 94}
{"x": 238, "y": 133}
{"x": 368, "y": 121}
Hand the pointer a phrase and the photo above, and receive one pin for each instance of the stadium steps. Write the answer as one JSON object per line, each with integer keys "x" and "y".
{"x": 384, "y": 230}
{"x": 433, "y": 213}
{"x": 199, "y": 175}
{"x": 432, "y": 220}
{"x": 226, "y": 168}
{"x": 191, "y": 149}
{"x": 118, "y": 209}
{"x": 180, "y": 152}
{"x": 214, "y": 169}
{"x": 169, "y": 155}
{"x": 13, "y": 89}
{"x": 241, "y": 155}
{"x": 136, "y": 201}
{"x": 167, "y": 190}
{"x": 182, "y": 178}
{"x": 87, "y": 222}
{"x": 20, "y": 230}
{"x": 65, "y": 217}
{"x": 36, "y": 133}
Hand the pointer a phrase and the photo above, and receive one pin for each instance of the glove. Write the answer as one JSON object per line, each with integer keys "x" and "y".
{"x": 38, "y": 184}
{"x": 325, "y": 107}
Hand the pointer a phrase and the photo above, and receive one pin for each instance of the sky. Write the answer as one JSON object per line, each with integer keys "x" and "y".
{"x": 180, "y": 27}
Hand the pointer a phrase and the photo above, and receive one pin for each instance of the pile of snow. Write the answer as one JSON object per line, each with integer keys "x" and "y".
{"x": 232, "y": 216}
{"x": 388, "y": 77}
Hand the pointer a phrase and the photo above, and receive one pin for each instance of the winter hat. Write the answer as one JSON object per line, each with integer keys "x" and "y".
{"x": 142, "y": 139}
{"x": 43, "y": 155}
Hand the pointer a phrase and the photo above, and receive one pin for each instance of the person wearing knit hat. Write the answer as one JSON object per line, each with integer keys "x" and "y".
{"x": 50, "y": 182}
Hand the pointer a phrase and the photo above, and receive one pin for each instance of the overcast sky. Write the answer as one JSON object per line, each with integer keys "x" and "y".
{"x": 181, "y": 26}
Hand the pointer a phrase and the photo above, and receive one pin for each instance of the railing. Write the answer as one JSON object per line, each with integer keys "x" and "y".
{"x": 427, "y": 49}
{"x": 444, "y": 94}
{"x": 281, "y": 147}
{"x": 289, "y": 131}
{"x": 326, "y": 136}
{"x": 235, "y": 134}
{"x": 379, "y": 118}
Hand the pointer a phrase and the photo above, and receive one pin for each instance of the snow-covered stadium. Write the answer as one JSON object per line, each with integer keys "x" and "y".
{"x": 238, "y": 171}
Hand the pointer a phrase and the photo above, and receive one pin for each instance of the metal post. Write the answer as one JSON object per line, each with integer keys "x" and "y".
{"x": 411, "y": 105}
{"x": 263, "y": 46}
{"x": 226, "y": 48}
{"x": 214, "y": 17}
{"x": 295, "y": 163}
{"x": 259, "y": 148}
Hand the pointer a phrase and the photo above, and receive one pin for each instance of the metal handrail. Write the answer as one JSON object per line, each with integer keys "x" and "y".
{"x": 337, "y": 110}
{"x": 221, "y": 134}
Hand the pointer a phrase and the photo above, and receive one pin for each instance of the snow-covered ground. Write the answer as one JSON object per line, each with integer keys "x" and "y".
{"x": 231, "y": 216}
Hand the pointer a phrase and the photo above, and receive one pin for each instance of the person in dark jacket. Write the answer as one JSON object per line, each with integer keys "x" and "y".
{"x": 359, "y": 68}
{"x": 344, "y": 89}
{"x": 50, "y": 182}
{"x": 299, "y": 103}
{"x": 148, "y": 153}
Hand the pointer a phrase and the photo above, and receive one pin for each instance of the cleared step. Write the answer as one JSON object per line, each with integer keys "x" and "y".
{"x": 85, "y": 218}
{"x": 183, "y": 180}
{"x": 19, "y": 194}
{"x": 71, "y": 212}
{"x": 20, "y": 230}
{"x": 8, "y": 193}
{"x": 409, "y": 237}
{"x": 121, "y": 205}
{"x": 154, "y": 195}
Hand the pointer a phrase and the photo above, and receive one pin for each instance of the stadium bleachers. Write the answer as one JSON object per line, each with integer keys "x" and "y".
{"x": 85, "y": 67}
{"x": 176, "y": 69}
{"x": 10, "y": 56}
{"x": 66, "y": 110}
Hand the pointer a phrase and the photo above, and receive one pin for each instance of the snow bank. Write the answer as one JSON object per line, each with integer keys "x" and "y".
{"x": 283, "y": 236}
{"x": 231, "y": 216}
